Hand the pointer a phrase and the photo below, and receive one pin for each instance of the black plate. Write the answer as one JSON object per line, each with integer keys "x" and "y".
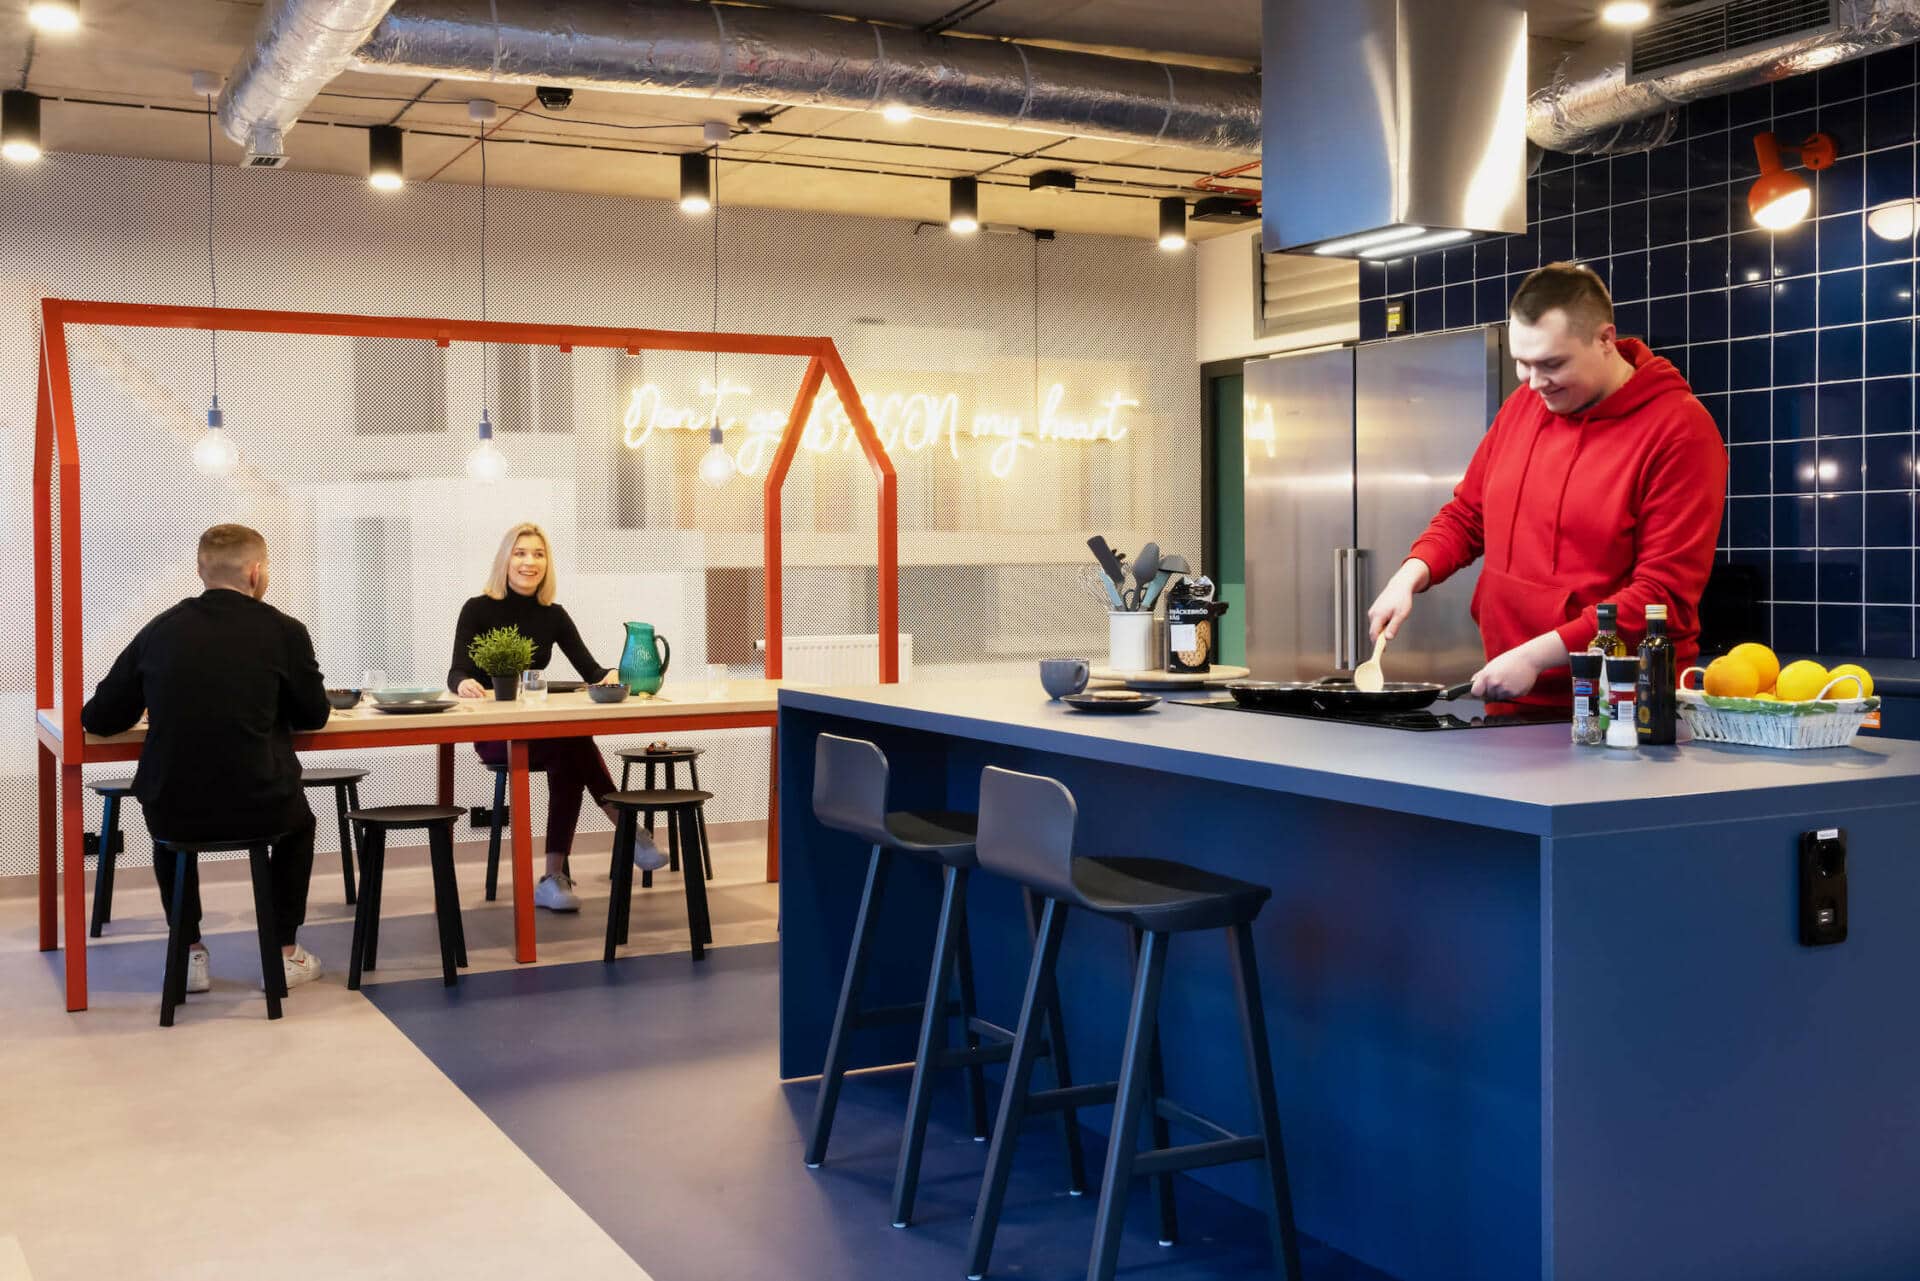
{"x": 1089, "y": 703}
{"x": 412, "y": 709}
{"x": 565, "y": 687}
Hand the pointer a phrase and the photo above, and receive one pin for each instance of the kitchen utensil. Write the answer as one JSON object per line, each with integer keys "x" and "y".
{"x": 1110, "y": 562}
{"x": 1130, "y": 641}
{"x": 418, "y": 708}
{"x": 1144, "y": 568}
{"x": 1094, "y": 582}
{"x": 1368, "y": 678}
{"x": 644, "y": 661}
{"x": 1279, "y": 696}
{"x": 1339, "y": 695}
{"x": 1063, "y": 676}
{"x": 1110, "y": 701}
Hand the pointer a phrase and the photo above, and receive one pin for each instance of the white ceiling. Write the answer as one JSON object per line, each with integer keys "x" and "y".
{"x": 112, "y": 85}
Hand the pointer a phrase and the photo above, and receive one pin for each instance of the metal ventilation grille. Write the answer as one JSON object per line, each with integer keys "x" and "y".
{"x": 1700, "y": 33}
{"x": 1308, "y": 301}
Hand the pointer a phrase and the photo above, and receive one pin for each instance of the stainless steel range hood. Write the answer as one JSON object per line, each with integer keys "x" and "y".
{"x": 1392, "y": 125}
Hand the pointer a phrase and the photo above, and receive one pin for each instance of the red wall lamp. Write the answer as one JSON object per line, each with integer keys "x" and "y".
{"x": 1780, "y": 199}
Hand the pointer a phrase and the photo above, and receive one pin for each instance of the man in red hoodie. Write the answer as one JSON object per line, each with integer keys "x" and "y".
{"x": 1601, "y": 479}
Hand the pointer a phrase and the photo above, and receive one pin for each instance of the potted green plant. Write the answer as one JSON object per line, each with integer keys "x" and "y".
{"x": 502, "y": 654}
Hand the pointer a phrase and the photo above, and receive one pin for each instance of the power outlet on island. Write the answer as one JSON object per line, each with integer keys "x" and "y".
{"x": 482, "y": 816}
{"x": 1823, "y": 887}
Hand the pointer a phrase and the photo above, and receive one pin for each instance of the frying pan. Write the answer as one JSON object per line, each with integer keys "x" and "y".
{"x": 1337, "y": 695}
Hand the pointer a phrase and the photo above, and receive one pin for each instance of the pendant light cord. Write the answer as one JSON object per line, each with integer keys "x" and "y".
{"x": 213, "y": 277}
{"x": 486, "y": 366}
{"x": 716, "y": 283}
{"x": 1036, "y": 334}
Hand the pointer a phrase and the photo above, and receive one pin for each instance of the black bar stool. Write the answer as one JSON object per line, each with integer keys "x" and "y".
{"x": 346, "y": 796}
{"x": 372, "y": 826}
{"x": 186, "y": 881}
{"x": 686, "y": 829}
{"x": 669, "y": 755}
{"x": 111, "y": 791}
{"x": 850, "y": 778}
{"x": 1026, "y": 834}
{"x": 500, "y": 774}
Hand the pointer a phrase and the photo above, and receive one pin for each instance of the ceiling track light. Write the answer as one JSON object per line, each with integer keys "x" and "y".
{"x": 1052, "y": 180}
{"x": 1173, "y": 222}
{"x": 1368, "y": 239}
{"x": 1779, "y": 199}
{"x": 55, "y": 17}
{"x": 1626, "y": 13}
{"x": 385, "y": 171}
{"x": 696, "y": 182}
{"x": 1400, "y": 248}
{"x": 20, "y": 126}
{"x": 896, "y": 113}
{"x": 963, "y": 205}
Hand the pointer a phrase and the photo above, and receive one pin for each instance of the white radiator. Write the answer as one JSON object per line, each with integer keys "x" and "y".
{"x": 840, "y": 660}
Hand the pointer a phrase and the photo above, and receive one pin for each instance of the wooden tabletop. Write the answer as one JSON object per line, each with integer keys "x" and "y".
{"x": 743, "y": 696}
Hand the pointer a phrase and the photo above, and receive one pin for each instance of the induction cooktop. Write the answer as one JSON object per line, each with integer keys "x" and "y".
{"x": 1463, "y": 714}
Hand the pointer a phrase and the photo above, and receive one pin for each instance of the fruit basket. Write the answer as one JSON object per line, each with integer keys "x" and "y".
{"x": 1760, "y": 722}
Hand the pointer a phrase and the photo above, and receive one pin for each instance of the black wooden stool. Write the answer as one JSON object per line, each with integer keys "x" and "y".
{"x": 686, "y": 828}
{"x": 850, "y": 778}
{"x": 346, "y": 796}
{"x": 670, "y": 755}
{"x": 111, "y": 790}
{"x": 186, "y": 879}
{"x": 1026, "y": 834}
{"x": 372, "y": 826}
{"x": 499, "y": 821}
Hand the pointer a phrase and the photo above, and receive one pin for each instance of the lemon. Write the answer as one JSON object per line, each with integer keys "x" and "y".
{"x": 1847, "y": 690}
{"x": 1801, "y": 681}
{"x": 1765, "y": 664}
{"x": 1767, "y": 696}
{"x": 1732, "y": 678}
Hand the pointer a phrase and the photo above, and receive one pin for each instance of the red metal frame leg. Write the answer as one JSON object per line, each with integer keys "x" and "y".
{"x": 445, "y": 775}
{"x": 773, "y": 806}
{"x": 521, "y": 804}
{"x": 74, "y": 886}
{"x": 49, "y": 852}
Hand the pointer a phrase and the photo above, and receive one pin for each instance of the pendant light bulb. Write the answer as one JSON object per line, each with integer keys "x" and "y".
{"x": 1626, "y": 13}
{"x": 963, "y": 205}
{"x": 696, "y": 183}
{"x": 716, "y": 465}
{"x": 215, "y": 454}
{"x": 385, "y": 170}
{"x": 485, "y": 462}
{"x": 20, "y": 126}
{"x": 55, "y": 17}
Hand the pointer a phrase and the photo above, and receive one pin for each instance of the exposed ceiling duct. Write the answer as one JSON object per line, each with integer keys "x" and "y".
{"x": 1619, "y": 94}
{"x": 688, "y": 49}
{"x": 1397, "y": 123}
{"x": 298, "y": 46}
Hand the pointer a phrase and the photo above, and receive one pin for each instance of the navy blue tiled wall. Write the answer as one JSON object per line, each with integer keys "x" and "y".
{"x": 1800, "y": 343}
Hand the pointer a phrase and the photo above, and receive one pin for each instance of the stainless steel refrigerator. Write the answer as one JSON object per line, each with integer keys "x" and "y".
{"x": 1349, "y": 453}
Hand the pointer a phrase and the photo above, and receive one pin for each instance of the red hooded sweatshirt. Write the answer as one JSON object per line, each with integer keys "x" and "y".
{"x": 1619, "y": 503}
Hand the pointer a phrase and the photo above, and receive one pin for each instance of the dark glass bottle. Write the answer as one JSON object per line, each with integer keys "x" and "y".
{"x": 1654, "y": 701}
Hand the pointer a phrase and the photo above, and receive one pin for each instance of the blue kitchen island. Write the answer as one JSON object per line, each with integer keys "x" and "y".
{"x": 1537, "y": 1011}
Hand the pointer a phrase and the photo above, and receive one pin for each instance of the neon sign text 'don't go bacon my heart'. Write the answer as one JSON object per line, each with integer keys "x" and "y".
{"x": 906, "y": 422}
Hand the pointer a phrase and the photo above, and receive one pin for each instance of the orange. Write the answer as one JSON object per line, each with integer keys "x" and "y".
{"x": 1847, "y": 690}
{"x": 1732, "y": 678}
{"x": 1765, "y": 664}
{"x": 1801, "y": 681}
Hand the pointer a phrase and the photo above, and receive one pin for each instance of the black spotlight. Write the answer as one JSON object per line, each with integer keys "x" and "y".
{"x": 696, "y": 183}
{"x": 554, "y": 97}
{"x": 20, "y": 126}
{"x": 385, "y": 171}
{"x": 963, "y": 205}
{"x": 1173, "y": 222}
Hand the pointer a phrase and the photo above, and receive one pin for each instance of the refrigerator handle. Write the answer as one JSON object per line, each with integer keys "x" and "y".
{"x": 1348, "y": 601}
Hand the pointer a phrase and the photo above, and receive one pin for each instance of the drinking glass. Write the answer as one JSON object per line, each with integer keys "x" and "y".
{"x": 716, "y": 680}
{"x": 370, "y": 680}
{"x": 533, "y": 685}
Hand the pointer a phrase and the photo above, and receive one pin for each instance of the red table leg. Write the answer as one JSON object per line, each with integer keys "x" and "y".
{"x": 773, "y": 807}
{"x": 446, "y": 775}
{"x": 72, "y": 825}
{"x": 49, "y": 852}
{"x": 521, "y": 804}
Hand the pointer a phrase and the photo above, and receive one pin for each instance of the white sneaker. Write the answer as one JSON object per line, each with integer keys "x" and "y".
{"x": 199, "y": 977}
{"x": 646, "y": 855}
{"x": 302, "y": 967}
{"x": 555, "y": 893}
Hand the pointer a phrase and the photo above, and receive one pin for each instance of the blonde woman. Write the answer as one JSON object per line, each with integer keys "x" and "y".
{"x": 520, "y": 593}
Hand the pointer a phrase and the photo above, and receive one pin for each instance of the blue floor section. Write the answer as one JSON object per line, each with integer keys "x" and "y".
{"x": 647, "y": 1091}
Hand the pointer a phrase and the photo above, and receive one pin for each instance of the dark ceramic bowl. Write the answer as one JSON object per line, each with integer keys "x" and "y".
{"x": 607, "y": 693}
{"x": 343, "y": 699}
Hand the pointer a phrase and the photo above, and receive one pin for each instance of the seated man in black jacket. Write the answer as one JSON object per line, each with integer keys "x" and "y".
{"x": 225, "y": 681}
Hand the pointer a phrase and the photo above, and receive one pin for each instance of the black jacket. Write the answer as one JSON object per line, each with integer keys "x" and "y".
{"x": 225, "y": 680}
{"x": 545, "y": 625}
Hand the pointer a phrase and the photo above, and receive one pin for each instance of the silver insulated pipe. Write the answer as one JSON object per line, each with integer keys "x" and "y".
{"x": 688, "y": 49}
{"x": 1618, "y": 94}
{"x": 298, "y": 46}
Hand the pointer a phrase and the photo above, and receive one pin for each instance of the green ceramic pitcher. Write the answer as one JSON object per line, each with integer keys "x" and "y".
{"x": 643, "y": 663}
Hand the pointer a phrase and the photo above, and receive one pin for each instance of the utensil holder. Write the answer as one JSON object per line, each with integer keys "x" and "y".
{"x": 1131, "y": 643}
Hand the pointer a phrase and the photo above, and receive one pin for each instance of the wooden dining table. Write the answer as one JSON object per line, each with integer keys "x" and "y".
{"x": 745, "y": 704}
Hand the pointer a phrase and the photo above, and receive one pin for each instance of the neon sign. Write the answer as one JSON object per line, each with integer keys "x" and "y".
{"x": 909, "y": 423}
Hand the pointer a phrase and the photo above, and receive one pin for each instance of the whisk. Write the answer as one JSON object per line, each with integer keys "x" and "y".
{"x": 1094, "y": 581}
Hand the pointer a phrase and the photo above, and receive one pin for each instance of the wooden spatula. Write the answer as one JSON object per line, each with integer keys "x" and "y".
{"x": 1368, "y": 678}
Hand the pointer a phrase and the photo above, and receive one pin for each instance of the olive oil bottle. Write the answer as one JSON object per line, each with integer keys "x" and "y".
{"x": 1655, "y": 703}
{"x": 1607, "y": 644}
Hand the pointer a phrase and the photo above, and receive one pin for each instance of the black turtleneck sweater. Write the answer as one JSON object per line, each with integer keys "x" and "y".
{"x": 544, "y": 625}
